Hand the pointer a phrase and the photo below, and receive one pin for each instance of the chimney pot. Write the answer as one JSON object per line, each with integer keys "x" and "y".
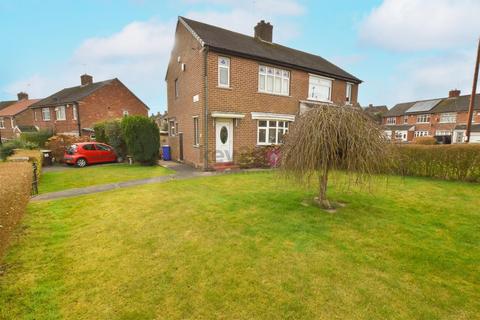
{"x": 86, "y": 79}
{"x": 264, "y": 31}
{"x": 22, "y": 96}
{"x": 454, "y": 93}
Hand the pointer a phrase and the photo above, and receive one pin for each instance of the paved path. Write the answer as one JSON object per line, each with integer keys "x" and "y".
{"x": 182, "y": 171}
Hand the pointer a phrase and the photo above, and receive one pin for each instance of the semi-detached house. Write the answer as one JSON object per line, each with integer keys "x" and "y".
{"x": 229, "y": 92}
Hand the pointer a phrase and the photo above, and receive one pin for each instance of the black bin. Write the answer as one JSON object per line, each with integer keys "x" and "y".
{"x": 47, "y": 157}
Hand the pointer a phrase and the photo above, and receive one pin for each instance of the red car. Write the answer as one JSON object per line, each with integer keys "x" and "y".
{"x": 85, "y": 153}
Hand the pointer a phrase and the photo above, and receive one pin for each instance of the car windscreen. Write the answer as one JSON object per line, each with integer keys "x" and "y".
{"x": 72, "y": 149}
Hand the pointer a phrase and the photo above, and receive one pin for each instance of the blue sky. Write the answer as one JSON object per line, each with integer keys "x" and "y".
{"x": 402, "y": 49}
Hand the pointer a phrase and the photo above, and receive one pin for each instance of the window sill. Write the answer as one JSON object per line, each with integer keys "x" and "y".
{"x": 225, "y": 88}
{"x": 321, "y": 101}
{"x": 196, "y": 146}
{"x": 275, "y": 94}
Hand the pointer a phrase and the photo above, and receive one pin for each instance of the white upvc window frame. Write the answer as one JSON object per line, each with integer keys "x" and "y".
{"x": 223, "y": 64}
{"x": 387, "y": 134}
{"x": 196, "y": 131}
{"x": 60, "y": 114}
{"x": 46, "y": 114}
{"x": 125, "y": 113}
{"x": 327, "y": 83}
{"x": 401, "y": 135}
{"x": 391, "y": 120}
{"x": 273, "y": 80}
{"x": 405, "y": 119}
{"x": 443, "y": 132}
{"x": 348, "y": 93}
{"x": 423, "y": 118}
{"x": 2, "y": 123}
{"x": 448, "y": 117}
{"x": 74, "y": 112}
{"x": 276, "y": 125}
{"x": 421, "y": 133}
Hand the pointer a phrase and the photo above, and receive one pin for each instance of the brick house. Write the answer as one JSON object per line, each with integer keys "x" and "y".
{"x": 229, "y": 92}
{"x": 440, "y": 117}
{"x": 17, "y": 117}
{"x": 75, "y": 110}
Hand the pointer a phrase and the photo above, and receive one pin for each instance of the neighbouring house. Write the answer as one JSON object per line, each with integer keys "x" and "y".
{"x": 375, "y": 112}
{"x": 17, "y": 117}
{"x": 229, "y": 92}
{"x": 444, "y": 118}
{"x": 74, "y": 111}
{"x": 161, "y": 120}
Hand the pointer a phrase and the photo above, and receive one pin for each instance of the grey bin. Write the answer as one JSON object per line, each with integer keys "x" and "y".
{"x": 47, "y": 157}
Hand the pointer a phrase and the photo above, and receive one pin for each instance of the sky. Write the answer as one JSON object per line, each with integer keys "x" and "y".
{"x": 403, "y": 50}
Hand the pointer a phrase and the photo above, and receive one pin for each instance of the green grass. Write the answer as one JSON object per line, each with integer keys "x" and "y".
{"x": 249, "y": 246}
{"x": 95, "y": 175}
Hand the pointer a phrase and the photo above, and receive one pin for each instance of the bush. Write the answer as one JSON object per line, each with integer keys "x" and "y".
{"x": 142, "y": 138}
{"x": 34, "y": 156}
{"x": 110, "y": 132}
{"x": 260, "y": 157}
{"x": 39, "y": 138}
{"x": 7, "y": 148}
{"x": 448, "y": 162}
{"x": 424, "y": 140}
{"x": 59, "y": 143}
{"x": 15, "y": 188}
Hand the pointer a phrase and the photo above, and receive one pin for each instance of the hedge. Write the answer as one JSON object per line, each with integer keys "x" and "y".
{"x": 39, "y": 138}
{"x": 142, "y": 138}
{"x": 33, "y": 156}
{"x": 448, "y": 162}
{"x": 15, "y": 188}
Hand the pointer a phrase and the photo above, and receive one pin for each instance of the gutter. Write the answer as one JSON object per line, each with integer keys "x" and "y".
{"x": 205, "y": 74}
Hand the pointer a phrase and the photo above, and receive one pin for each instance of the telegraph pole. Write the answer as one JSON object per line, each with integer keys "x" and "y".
{"x": 472, "y": 97}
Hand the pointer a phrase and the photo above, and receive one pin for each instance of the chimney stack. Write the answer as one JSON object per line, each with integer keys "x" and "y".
{"x": 22, "y": 96}
{"x": 86, "y": 79}
{"x": 454, "y": 93}
{"x": 264, "y": 31}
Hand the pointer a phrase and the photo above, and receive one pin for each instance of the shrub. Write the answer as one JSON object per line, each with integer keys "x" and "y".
{"x": 448, "y": 162}
{"x": 260, "y": 157}
{"x": 15, "y": 188}
{"x": 7, "y": 148}
{"x": 39, "y": 138}
{"x": 110, "y": 132}
{"x": 59, "y": 143}
{"x": 34, "y": 156}
{"x": 142, "y": 138}
{"x": 424, "y": 140}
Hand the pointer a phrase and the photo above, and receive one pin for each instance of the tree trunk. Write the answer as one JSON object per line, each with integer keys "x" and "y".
{"x": 322, "y": 194}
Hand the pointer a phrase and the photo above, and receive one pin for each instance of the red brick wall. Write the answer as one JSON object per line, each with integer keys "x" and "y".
{"x": 108, "y": 102}
{"x": 241, "y": 97}
{"x": 23, "y": 118}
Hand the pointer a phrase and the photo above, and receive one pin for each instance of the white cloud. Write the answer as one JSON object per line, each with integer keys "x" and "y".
{"x": 271, "y": 7}
{"x": 409, "y": 25}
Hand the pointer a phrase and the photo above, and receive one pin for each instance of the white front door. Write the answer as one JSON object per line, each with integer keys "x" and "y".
{"x": 224, "y": 140}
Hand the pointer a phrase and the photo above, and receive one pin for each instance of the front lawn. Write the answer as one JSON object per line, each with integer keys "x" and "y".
{"x": 73, "y": 177}
{"x": 248, "y": 246}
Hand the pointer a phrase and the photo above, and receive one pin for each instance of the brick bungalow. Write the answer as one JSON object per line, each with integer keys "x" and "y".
{"x": 17, "y": 117}
{"x": 75, "y": 110}
{"x": 229, "y": 92}
{"x": 440, "y": 117}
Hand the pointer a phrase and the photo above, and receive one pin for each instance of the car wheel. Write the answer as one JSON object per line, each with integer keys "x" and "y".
{"x": 81, "y": 163}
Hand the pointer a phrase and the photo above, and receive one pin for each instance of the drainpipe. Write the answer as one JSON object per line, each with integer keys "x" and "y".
{"x": 77, "y": 105}
{"x": 205, "y": 74}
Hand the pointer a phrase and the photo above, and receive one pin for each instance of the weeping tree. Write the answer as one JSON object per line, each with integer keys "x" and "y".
{"x": 328, "y": 138}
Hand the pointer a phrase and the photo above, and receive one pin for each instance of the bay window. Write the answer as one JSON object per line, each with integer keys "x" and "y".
{"x": 273, "y": 80}
{"x": 319, "y": 89}
{"x": 271, "y": 131}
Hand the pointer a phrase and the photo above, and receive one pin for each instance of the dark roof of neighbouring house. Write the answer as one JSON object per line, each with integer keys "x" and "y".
{"x": 376, "y": 109}
{"x": 473, "y": 128}
{"x": 17, "y": 107}
{"x": 457, "y": 104}
{"x": 73, "y": 94}
{"x": 236, "y": 43}
{"x": 399, "y": 109}
{"x": 398, "y": 127}
{"x": 4, "y": 104}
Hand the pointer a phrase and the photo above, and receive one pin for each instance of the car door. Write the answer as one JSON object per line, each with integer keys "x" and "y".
{"x": 90, "y": 153}
{"x": 105, "y": 153}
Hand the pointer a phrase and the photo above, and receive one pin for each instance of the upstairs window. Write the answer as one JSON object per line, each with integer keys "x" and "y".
{"x": 273, "y": 80}
{"x": 2, "y": 123}
{"x": 74, "y": 112}
{"x": 223, "y": 72}
{"x": 320, "y": 89}
{"x": 423, "y": 118}
{"x": 450, "y": 117}
{"x": 271, "y": 132}
{"x": 60, "y": 113}
{"x": 46, "y": 114}
{"x": 349, "y": 93}
{"x": 405, "y": 119}
{"x": 391, "y": 120}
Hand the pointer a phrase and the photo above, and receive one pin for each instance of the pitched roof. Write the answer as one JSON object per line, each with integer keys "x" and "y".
{"x": 232, "y": 42}
{"x": 457, "y": 104}
{"x": 399, "y": 109}
{"x": 17, "y": 107}
{"x": 398, "y": 127}
{"x": 72, "y": 94}
{"x": 4, "y": 104}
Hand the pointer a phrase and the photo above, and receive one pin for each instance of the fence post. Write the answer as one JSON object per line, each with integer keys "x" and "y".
{"x": 35, "y": 179}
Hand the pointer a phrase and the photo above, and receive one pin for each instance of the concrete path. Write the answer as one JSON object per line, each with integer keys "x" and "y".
{"x": 182, "y": 171}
